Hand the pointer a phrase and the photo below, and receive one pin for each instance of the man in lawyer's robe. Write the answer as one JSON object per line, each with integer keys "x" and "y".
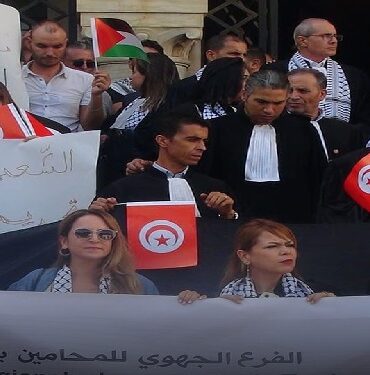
{"x": 272, "y": 161}
{"x": 181, "y": 142}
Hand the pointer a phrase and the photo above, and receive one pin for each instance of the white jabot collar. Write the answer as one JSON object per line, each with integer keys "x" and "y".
{"x": 262, "y": 163}
{"x": 179, "y": 189}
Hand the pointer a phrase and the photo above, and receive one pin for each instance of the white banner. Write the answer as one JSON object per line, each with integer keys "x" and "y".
{"x": 78, "y": 334}
{"x": 43, "y": 180}
{"x": 10, "y": 50}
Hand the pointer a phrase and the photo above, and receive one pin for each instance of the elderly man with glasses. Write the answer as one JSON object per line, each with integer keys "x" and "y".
{"x": 347, "y": 96}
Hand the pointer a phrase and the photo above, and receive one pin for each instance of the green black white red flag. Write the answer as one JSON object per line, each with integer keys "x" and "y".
{"x": 113, "y": 37}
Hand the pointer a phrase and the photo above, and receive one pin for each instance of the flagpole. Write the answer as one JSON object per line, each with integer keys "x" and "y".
{"x": 95, "y": 41}
{"x": 96, "y": 62}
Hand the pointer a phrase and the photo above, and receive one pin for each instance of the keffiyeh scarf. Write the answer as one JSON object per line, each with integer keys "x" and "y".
{"x": 131, "y": 116}
{"x": 63, "y": 282}
{"x": 212, "y": 111}
{"x": 291, "y": 286}
{"x": 337, "y": 103}
{"x": 122, "y": 86}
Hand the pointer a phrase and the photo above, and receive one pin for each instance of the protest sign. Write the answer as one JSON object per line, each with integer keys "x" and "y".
{"x": 85, "y": 334}
{"x": 10, "y": 50}
{"x": 43, "y": 180}
{"x": 162, "y": 234}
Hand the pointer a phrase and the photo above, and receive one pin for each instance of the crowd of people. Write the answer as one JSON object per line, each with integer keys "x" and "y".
{"x": 243, "y": 139}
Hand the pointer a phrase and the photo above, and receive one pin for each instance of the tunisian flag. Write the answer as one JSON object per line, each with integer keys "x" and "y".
{"x": 162, "y": 234}
{"x": 15, "y": 123}
{"x": 357, "y": 183}
{"x": 113, "y": 37}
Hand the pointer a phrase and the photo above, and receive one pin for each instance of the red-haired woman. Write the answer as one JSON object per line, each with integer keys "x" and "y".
{"x": 263, "y": 264}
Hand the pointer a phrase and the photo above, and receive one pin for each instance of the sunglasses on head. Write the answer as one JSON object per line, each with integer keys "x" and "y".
{"x": 102, "y": 234}
{"x": 80, "y": 62}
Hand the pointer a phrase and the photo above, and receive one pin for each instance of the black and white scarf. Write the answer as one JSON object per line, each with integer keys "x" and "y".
{"x": 63, "y": 282}
{"x": 291, "y": 287}
{"x": 131, "y": 116}
{"x": 337, "y": 103}
{"x": 210, "y": 111}
{"x": 122, "y": 86}
{"x": 198, "y": 73}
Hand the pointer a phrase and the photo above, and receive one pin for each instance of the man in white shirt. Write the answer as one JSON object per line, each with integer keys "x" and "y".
{"x": 70, "y": 97}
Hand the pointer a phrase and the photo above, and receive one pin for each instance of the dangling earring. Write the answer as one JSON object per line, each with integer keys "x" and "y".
{"x": 248, "y": 271}
{"x": 64, "y": 252}
{"x": 245, "y": 269}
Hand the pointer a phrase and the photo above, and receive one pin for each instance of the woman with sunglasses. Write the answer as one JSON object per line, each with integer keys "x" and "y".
{"x": 93, "y": 258}
{"x": 263, "y": 264}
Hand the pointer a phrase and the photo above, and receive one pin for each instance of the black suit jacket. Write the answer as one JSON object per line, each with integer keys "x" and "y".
{"x": 152, "y": 185}
{"x": 340, "y": 137}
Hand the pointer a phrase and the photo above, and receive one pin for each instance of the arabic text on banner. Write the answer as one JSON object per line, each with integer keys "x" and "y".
{"x": 84, "y": 334}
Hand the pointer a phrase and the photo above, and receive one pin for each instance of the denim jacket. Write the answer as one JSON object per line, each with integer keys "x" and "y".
{"x": 39, "y": 280}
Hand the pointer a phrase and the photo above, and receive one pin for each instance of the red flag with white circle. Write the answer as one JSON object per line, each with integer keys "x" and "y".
{"x": 357, "y": 183}
{"x": 162, "y": 234}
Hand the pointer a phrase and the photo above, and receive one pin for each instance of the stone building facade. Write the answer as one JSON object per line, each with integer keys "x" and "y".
{"x": 176, "y": 25}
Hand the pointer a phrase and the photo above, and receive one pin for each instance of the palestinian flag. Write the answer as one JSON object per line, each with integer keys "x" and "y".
{"x": 115, "y": 38}
{"x": 15, "y": 123}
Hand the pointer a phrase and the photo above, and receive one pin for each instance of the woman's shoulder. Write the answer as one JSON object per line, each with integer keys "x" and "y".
{"x": 148, "y": 287}
{"x": 234, "y": 287}
{"x": 36, "y": 281}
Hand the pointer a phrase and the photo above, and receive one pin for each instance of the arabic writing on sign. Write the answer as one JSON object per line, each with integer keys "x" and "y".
{"x": 37, "y": 358}
{"x": 25, "y": 221}
{"x": 47, "y": 165}
{"x": 152, "y": 360}
{"x": 28, "y": 219}
{"x": 184, "y": 360}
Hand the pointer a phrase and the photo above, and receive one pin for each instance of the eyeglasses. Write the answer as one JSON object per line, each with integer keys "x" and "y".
{"x": 102, "y": 234}
{"x": 80, "y": 62}
{"x": 329, "y": 36}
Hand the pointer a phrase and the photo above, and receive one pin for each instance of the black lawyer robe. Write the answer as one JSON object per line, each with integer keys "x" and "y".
{"x": 152, "y": 185}
{"x": 340, "y": 137}
{"x": 301, "y": 164}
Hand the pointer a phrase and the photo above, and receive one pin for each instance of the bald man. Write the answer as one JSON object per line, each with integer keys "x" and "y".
{"x": 348, "y": 88}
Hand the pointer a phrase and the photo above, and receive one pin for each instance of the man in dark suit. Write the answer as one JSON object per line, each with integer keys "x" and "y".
{"x": 348, "y": 93}
{"x": 181, "y": 141}
{"x": 307, "y": 90}
{"x": 273, "y": 161}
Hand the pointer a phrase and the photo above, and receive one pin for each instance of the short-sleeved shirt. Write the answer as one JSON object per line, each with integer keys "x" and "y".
{"x": 59, "y": 99}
